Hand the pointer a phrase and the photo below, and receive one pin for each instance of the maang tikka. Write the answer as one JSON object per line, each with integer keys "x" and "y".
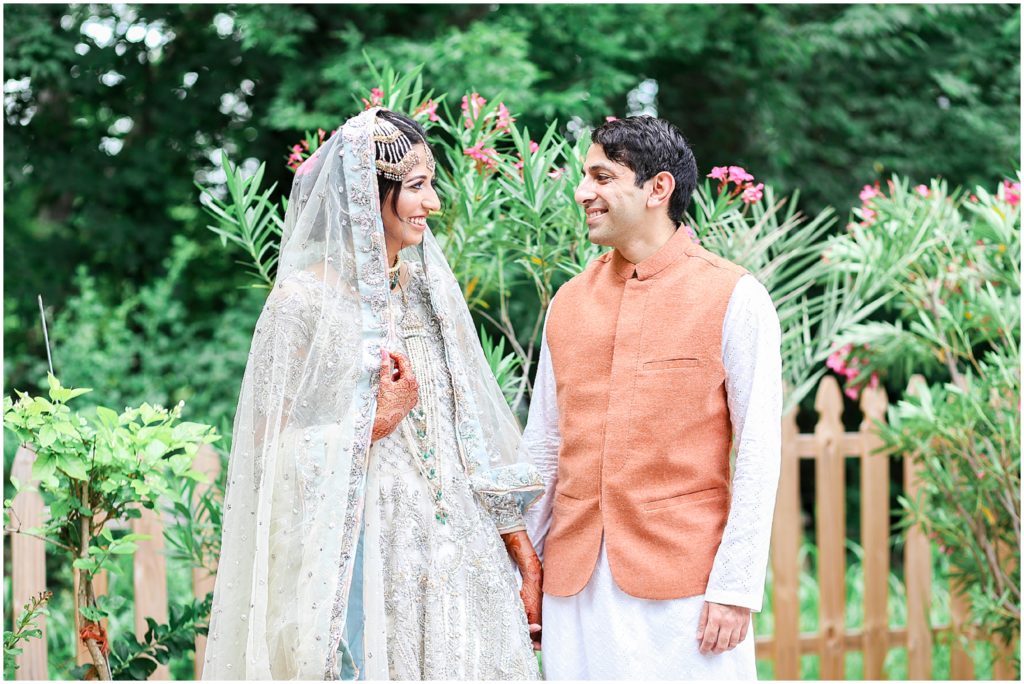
{"x": 394, "y": 153}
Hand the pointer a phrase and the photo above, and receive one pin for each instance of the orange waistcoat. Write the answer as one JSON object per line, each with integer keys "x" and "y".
{"x": 644, "y": 457}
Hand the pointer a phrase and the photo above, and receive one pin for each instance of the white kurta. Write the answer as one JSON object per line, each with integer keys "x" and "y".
{"x": 604, "y": 633}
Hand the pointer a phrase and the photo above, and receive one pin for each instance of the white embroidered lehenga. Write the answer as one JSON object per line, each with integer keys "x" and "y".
{"x": 346, "y": 559}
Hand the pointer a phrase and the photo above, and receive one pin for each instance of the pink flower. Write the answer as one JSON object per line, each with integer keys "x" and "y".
{"x": 556, "y": 173}
{"x": 430, "y": 109}
{"x": 973, "y": 198}
{"x": 922, "y": 190}
{"x": 720, "y": 173}
{"x": 611, "y": 118}
{"x": 376, "y": 98}
{"x": 868, "y": 192}
{"x": 486, "y": 157}
{"x": 753, "y": 193}
{"x": 532, "y": 148}
{"x": 1012, "y": 192}
{"x": 851, "y": 372}
{"x": 869, "y": 215}
{"x": 737, "y": 174}
{"x": 836, "y": 359}
{"x": 471, "y": 106}
{"x": 851, "y": 392}
{"x": 873, "y": 383}
{"x": 504, "y": 118}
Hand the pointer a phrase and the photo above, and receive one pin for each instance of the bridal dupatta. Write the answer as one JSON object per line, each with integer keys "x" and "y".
{"x": 297, "y": 471}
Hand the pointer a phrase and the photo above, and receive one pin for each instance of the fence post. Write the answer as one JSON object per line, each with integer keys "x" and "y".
{"x": 918, "y": 564}
{"x": 206, "y": 461}
{"x": 874, "y": 515}
{"x": 150, "y": 578}
{"x": 28, "y": 563}
{"x": 786, "y": 533}
{"x": 961, "y": 665}
{"x": 830, "y": 498}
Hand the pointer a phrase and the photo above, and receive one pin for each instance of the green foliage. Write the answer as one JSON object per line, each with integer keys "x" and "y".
{"x": 136, "y": 661}
{"x": 512, "y": 233}
{"x": 258, "y": 229}
{"x": 786, "y": 252}
{"x": 24, "y": 630}
{"x": 98, "y": 469}
{"x": 145, "y": 345}
{"x": 106, "y": 133}
{"x": 94, "y": 470}
{"x": 957, "y": 316}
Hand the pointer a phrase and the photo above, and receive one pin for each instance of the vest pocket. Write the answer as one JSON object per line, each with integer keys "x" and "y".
{"x": 669, "y": 364}
{"x": 689, "y": 497}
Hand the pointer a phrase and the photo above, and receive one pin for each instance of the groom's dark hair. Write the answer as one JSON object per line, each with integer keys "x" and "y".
{"x": 648, "y": 146}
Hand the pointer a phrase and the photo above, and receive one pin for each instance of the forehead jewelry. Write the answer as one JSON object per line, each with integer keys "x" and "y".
{"x": 394, "y": 153}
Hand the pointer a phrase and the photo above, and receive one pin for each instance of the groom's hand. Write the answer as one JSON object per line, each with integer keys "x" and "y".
{"x": 522, "y": 552}
{"x": 722, "y": 627}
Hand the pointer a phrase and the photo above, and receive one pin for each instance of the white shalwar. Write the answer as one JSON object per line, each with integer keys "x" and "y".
{"x": 604, "y": 633}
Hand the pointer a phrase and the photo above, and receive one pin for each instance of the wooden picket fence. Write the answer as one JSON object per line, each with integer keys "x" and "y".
{"x": 829, "y": 445}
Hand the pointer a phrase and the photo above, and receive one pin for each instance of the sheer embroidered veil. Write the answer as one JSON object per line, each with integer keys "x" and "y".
{"x": 301, "y": 439}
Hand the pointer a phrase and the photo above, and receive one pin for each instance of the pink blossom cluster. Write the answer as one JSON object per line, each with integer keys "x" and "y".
{"x": 429, "y": 108}
{"x": 485, "y": 157}
{"x": 846, "y": 362}
{"x": 533, "y": 149}
{"x": 744, "y": 182}
{"x": 1011, "y": 192}
{"x": 376, "y": 98}
{"x": 471, "y": 106}
{"x": 868, "y": 215}
{"x": 299, "y": 153}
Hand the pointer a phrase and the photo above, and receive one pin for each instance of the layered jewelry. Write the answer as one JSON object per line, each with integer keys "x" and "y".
{"x": 394, "y": 152}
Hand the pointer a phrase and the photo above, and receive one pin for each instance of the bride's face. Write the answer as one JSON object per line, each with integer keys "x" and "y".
{"x": 416, "y": 199}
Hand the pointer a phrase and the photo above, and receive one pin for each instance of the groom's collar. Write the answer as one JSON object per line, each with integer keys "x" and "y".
{"x": 657, "y": 262}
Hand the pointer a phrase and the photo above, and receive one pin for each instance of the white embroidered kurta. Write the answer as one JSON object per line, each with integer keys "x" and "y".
{"x": 447, "y": 605}
{"x": 602, "y": 632}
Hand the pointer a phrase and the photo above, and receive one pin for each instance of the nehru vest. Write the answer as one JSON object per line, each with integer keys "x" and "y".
{"x": 644, "y": 458}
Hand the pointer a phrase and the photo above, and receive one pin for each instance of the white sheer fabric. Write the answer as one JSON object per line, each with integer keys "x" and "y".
{"x": 602, "y": 632}
{"x": 297, "y": 475}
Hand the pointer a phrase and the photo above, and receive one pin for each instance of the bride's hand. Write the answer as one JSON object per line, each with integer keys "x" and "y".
{"x": 396, "y": 396}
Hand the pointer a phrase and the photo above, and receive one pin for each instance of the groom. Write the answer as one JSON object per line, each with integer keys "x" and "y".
{"x": 658, "y": 360}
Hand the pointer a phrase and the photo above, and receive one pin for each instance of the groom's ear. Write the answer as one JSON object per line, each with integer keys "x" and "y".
{"x": 662, "y": 185}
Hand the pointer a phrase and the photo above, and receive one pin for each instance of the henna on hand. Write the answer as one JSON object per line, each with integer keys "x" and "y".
{"x": 395, "y": 397}
{"x": 522, "y": 552}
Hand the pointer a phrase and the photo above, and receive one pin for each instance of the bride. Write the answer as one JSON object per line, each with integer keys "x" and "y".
{"x": 374, "y": 473}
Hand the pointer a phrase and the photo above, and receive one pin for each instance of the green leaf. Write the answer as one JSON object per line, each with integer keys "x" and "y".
{"x": 74, "y": 468}
{"x": 47, "y": 436}
{"x": 107, "y": 417}
{"x": 86, "y": 564}
{"x": 94, "y": 614}
{"x": 43, "y": 468}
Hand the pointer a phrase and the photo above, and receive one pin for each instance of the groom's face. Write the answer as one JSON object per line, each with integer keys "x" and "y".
{"x": 614, "y": 205}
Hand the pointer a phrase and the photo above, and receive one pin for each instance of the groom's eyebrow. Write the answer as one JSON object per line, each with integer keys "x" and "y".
{"x": 594, "y": 168}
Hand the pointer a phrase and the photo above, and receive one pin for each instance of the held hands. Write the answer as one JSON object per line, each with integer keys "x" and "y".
{"x": 521, "y": 550}
{"x": 722, "y": 627}
{"x": 397, "y": 395}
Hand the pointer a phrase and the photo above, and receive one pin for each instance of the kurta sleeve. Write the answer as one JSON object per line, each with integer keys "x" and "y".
{"x": 541, "y": 440}
{"x": 751, "y": 340}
